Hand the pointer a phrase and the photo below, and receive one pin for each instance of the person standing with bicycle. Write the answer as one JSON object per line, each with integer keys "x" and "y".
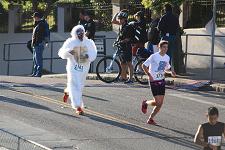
{"x": 155, "y": 67}
{"x": 125, "y": 38}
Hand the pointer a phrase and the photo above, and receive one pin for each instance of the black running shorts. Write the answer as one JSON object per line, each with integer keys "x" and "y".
{"x": 126, "y": 54}
{"x": 158, "y": 87}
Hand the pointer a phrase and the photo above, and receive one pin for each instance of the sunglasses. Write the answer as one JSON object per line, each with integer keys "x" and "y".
{"x": 80, "y": 32}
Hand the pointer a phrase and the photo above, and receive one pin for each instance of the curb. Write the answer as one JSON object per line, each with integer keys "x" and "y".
{"x": 169, "y": 81}
{"x": 218, "y": 87}
{"x": 3, "y": 148}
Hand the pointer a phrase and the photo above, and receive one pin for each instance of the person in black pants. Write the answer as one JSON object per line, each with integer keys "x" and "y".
{"x": 210, "y": 134}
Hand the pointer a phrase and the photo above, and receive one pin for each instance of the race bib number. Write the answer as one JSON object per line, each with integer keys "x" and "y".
{"x": 215, "y": 140}
{"x": 79, "y": 68}
{"x": 159, "y": 75}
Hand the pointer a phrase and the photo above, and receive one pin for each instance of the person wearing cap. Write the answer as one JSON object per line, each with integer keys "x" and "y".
{"x": 210, "y": 134}
{"x": 89, "y": 26}
{"x": 125, "y": 39}
{"x": 155, "y": 67}
{"x": 140, "y": 31}
{"x": 79, "y": 52}
{"x": 37, "y": 43}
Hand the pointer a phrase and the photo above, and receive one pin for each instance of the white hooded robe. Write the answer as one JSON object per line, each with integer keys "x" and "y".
{"x": 77, "y": 69}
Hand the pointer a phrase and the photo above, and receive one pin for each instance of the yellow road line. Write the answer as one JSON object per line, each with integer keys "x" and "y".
{"x": 87, "y": 111}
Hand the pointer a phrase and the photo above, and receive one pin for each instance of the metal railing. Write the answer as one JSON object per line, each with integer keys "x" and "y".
{"x": 7, "y": 47}
{"x": 186, "y": 53}
{"x": 7, "y": 52}
{"x": 14, "y": 142}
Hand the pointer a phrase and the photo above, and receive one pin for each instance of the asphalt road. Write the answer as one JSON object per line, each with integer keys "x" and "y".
{"x": 33, "y": 108}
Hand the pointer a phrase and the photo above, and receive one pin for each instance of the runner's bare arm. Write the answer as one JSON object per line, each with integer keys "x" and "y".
{"x": 199, "y": 137}
{"x": 114, "y": 19}
{"x": 145, "y": 68}
{"x": 125, "y": 40}
{"x": 173, "y": 74}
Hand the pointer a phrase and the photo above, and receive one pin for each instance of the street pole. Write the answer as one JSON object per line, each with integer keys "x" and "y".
{"x": 213, "y": 40}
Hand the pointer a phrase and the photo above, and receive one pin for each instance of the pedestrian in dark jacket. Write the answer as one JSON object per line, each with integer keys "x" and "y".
{"x": 82, "y": 21}
{"x": 169, "y": 27}
{"x": 89, "y": 26}
{"x": 38, "y": 41}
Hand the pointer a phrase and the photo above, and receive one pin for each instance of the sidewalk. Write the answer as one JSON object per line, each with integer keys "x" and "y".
{"x": 184, "y": 81}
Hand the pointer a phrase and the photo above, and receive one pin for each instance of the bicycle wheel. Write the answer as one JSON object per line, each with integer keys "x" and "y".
{"x": 139, "y": 73}
{"x": 108, "y": 70}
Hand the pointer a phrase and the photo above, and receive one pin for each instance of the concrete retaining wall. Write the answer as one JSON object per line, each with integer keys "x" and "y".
{"x": 202, "y": 45}
{"x": 21, "y": 52}
{"x": 195, "y": 45}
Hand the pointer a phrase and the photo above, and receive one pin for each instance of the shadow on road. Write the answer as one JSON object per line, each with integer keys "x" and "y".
{"x": 177, "y": 131}
{"x": 182, "y": 141}
{"x": 28, "y": 104}
{"x": 96, "y": 98}
{"x": 202, "y": 93}
{"x": 47, "y": 88}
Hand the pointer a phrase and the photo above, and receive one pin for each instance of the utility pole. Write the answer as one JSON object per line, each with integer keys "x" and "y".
{"x": 213, "y": 40}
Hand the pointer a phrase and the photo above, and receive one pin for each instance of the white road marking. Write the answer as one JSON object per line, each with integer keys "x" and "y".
{"x": 183, "y": 96}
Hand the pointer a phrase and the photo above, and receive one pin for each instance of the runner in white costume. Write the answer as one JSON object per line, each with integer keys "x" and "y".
{"x": 79, "y": 52}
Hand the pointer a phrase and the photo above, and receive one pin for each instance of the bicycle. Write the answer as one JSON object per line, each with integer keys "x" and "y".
{"x": 108, "y": 69}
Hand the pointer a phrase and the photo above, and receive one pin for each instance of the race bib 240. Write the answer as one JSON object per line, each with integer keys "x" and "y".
{"x": 215, "y": 140}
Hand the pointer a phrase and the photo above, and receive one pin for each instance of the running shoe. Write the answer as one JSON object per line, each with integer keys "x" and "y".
{"x": 151, "y": 121}
{"x": 122, "y": 80}
{"x": 65, "y": 97}
{"x": 79, "y": 111}
{"x": 128, "y": 82}
{"x": 144, "y": 106}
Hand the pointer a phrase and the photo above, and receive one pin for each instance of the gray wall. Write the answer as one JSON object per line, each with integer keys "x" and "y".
{"x": 21, "y": 52}
{"x": 202, "y": 45}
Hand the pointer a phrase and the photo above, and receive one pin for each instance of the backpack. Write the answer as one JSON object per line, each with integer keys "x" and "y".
{"x": 140, "y": 34}
{"x": 47, "y": 31}
{"x": 132, "y": 38}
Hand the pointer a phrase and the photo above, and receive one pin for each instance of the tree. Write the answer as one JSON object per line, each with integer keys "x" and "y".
{"x": 42, "y": 5}
{"x": 157, "y": 7}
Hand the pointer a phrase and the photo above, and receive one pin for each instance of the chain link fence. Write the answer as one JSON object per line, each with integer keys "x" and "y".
{"x": 199, "y": 12}
{"x": 11, "y": 141}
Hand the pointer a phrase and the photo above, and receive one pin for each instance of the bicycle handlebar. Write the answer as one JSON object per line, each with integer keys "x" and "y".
{"x": 116, "y": 44}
